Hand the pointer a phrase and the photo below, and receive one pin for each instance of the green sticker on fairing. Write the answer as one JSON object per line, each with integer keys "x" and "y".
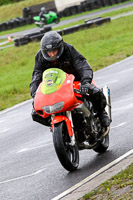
{"x": 53, "y": 79}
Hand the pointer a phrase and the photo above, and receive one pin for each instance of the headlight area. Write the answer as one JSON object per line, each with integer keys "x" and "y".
{"x": 54, "y": 108}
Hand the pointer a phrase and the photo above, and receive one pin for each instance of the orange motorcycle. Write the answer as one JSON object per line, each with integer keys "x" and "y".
{"x": 74, "y": 123}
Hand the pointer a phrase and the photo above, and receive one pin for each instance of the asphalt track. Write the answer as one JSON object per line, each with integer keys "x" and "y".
{"x": 29, "y": 166}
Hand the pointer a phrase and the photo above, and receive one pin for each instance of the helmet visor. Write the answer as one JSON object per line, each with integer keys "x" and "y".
{"x": 53, "y": 54}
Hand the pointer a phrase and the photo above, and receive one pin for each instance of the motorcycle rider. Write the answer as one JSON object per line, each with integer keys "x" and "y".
{"x": 55, "y": 53}
{"x": 42, "y": 13}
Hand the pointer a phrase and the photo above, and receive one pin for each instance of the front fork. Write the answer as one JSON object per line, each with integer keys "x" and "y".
{"x": 69, "y": 123}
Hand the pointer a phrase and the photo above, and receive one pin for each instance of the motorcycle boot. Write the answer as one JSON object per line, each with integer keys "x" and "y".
{"x": 99, "y": 102}
{"x": 104, "y": 119}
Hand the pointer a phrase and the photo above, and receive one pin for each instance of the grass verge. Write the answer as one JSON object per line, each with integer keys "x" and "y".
{"x": 119, "y": 187}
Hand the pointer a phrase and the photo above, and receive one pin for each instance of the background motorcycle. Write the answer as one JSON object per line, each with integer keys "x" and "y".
{"x": 48, "y": 18}
{"x": 75, "y": 124}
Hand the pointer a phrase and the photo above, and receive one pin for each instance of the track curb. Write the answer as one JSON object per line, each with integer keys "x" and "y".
{"x": 94, "y": 180}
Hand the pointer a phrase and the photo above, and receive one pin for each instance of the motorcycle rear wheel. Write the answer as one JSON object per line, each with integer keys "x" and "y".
{"x": 102, "y": 146}
{"x": 68, "y": 155}
{"x": 57, "y": 20}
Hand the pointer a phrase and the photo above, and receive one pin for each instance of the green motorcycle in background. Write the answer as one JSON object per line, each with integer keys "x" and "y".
{"x": 50, "y": 17}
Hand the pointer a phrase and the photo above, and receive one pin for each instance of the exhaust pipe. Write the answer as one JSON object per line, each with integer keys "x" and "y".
{"x": 91, "y": 146}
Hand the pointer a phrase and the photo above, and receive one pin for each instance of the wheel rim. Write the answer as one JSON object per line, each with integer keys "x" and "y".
{"x": 70, "y": 150}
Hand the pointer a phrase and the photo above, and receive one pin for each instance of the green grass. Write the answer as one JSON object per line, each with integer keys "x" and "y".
{"x": 16, "y": 69}
{"x": 106, "y": 44}
{"x": 112, "y": 189}
{"x": 101, "y": 46}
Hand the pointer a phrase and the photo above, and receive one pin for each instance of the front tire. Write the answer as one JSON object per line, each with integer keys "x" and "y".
{"x": 68, "y": 155}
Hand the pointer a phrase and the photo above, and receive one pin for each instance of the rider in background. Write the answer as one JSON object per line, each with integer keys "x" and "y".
{"x": 55, "y": 53}
{"x": 43, "y": 12}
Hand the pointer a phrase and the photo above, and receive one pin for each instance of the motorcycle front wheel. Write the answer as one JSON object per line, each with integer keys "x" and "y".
{"x": 68, "y": 155}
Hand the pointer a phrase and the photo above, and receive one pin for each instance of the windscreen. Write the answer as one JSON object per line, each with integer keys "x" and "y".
{"x": 53, "y": 79}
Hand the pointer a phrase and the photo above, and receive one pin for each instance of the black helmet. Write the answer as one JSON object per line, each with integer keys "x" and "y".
{"x": 51, "y": 41}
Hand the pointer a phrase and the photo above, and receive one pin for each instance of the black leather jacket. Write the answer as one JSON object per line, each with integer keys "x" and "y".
{"x": 71, "y": 61}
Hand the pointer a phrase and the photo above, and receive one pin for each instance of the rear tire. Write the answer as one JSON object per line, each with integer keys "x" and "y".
{"x": 68, "y": 155}
{"x": 57, "y": 20}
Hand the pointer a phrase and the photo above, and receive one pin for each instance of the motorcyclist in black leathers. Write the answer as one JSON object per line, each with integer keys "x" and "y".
{"x": 55, "y": 53}
{"x": 42, "y": 13}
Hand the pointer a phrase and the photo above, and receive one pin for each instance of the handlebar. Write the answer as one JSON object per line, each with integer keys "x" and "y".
{"x": 77, "y": 91}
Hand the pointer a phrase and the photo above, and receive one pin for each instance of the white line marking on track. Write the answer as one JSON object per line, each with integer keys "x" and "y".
{"x": 89, "y": 178}
{"x": 21, "y": 177}
{"x": 119, "y": 125}
{"x": 37, "y": 147}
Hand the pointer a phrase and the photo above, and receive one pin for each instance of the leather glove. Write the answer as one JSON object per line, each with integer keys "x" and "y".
{"x": 85, "y": 88}
{"x": 89, "y": 88}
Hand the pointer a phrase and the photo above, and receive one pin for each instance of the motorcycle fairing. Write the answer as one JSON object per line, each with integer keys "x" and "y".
{"x": 36, "y": 18}
{"x": 57, "y": 92}
{"x": 50, "y": 17}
